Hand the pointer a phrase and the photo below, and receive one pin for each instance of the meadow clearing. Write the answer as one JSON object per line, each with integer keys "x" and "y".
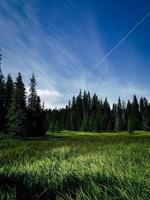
{"x": 76, "y": 166}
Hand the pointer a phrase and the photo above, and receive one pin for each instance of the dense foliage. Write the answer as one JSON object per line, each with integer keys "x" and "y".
{"x": 86, "y": 113}
{"x": 26, "y": 116}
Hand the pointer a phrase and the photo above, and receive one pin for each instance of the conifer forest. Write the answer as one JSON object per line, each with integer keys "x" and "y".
{"x": 74, "y": 100}
{"x": 86, "y": 150}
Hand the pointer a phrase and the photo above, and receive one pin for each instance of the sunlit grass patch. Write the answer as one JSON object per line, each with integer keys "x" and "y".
{"x": 77, "y": 166}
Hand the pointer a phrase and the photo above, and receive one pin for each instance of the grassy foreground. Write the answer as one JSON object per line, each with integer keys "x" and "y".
{"x": 75, "y": 165}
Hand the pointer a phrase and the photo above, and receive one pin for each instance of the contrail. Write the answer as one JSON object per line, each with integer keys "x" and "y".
{"x": 120, "y": 42}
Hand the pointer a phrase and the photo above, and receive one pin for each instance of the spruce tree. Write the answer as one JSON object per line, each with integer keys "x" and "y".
{"x": 17, "y": 112}
{"x": 85, "y": 112}
{"x": 2, "y": 99}
{"x": 144, "y": 113}
{"x": 99, "y": 116}
{"x": 53, "y": 120}
{"x": 8, "y": 96}
{"x": 68, "y": 114}
{"x": 135, "y": 113}
{"x": 106, "y": 115}
{"x": 35, "y": 112}
{"x": 79, "y": 111}
{"x": 112, "y": 119}
{"x": 130, "y": 123}
{"x": 73, "y": 116}
{"x": 9, "y": 90}
{"x": 147, "y": 118}
{"x": 119, "y": 121}
{"x": 93, "y": 113}
{"x": 124, "y": 116}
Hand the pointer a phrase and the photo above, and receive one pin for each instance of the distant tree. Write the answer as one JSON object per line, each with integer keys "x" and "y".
{"x": 119, "y": 121}
{"x": 106, "y": 115}
{"x": 8, "y": 96}
{"x": 17, "y": 112}
{"x": 48, "y": 115}
{"x": 124, "y": 116}
{"x": 73, "y": 116}
{"x": 2, "y": 101}
{"x": 144, "y": 114}
{"x": 135, "y": 113}
{"x": 98, "y": 116}
{"x": 93, "y": 113}
{"x": 130, "y": 124}
{"x": 86, "y": 110}
{"x": 111, "y": 124}
{"x": 53, "y": 119}
{"x": 57, "y": 127}
{"x": 79, "y": 111}
{"x": 146, "y": 118}
{"x": 35, "y": 111}
{"x": 68, "y": 114}
{"x": 9, "y": 90}
{"x": 129, "y": 108}
{"x": 2, "y": 98}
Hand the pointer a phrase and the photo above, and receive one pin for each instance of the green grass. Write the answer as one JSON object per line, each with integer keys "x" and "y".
{"x": 76, "y": 165}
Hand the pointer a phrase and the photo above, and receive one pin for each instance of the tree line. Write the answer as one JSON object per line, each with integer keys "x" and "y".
{"x": 23, "y": 114}
{"x": 19, "y": 114}
{"x": 86, "y": 113}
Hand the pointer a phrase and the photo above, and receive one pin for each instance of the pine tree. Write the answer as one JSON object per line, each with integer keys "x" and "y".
{"x": 106, "y": 115}
{"x": 68, "y": 114}
{"x": 8, "y": 96}
{"x": 2, "y": 99}
{"x": 129, "y": 108}
{"x": 48, "y": 116}
{"x": 35, "y": 112}
{"x": 79, "y": 111}
{"x": 112, "y": 119}
{"x": 93, "y": 113}
{"x": 73, "y": 116}
{"x": 135, "y": 113}
{"x": 119, "y": 121}
{"x": 130, "y": 124}
{"x": 144, "y": 113}
{"x": 57, "y": 127}
{"x": 9, "y": 90}
{"x": 124, "y": 116}
{"x": 53, "y": 120}
{"x": 99, "y": 116}
{"x": 85, "y": 112}
{"x": 17, "y": 112}
{"x": 147, "y": 119}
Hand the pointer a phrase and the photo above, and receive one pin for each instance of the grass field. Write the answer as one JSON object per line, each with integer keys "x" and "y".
{"x": 76, "y": 165}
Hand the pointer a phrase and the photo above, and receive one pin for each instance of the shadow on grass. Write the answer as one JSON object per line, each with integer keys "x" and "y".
{"x": 111, "y": 186}
{"x": 99, "y": 138}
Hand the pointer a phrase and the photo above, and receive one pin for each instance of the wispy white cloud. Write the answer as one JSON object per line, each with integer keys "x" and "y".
{"x": 61, "y": 58}
{"x": 57, "y": 62}
{"x": 51, "y": 98}
{"x": 48, "y": 93}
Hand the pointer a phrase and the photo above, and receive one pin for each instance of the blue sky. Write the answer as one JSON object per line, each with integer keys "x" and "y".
{"x": 71, "y": 44}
